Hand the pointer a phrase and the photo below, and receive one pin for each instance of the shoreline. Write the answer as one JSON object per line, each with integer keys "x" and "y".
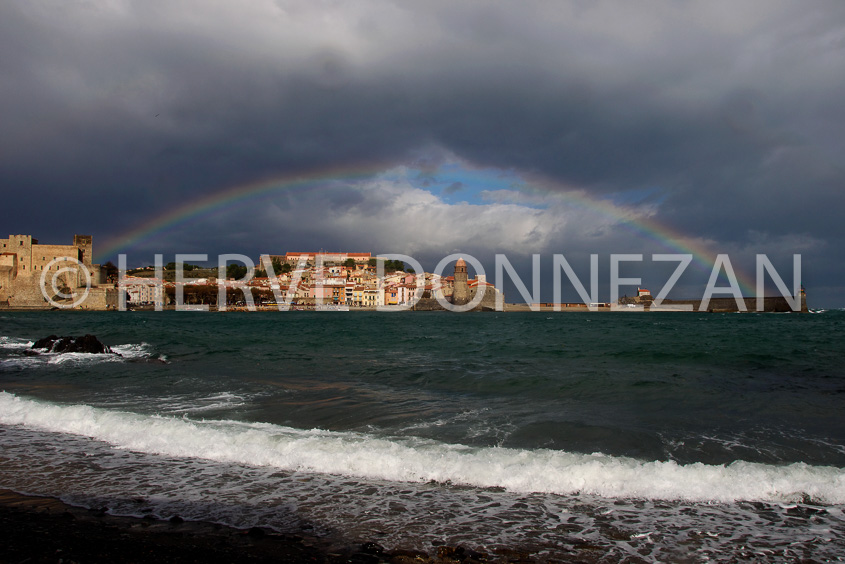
{"x": 46, "y": 529}
{"x": 42, "y": 529}
{"x": 512, "y": 308}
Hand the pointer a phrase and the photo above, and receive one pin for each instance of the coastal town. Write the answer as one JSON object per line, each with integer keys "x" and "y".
{"x": 38, "y": 276}
{"x": 307, "y": 280}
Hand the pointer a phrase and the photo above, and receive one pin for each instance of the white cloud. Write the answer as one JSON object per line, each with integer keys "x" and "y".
{"x": 389, "y": 214}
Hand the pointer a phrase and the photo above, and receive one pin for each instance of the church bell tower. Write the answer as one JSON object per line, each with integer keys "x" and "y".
{"x": 460, "y": 292}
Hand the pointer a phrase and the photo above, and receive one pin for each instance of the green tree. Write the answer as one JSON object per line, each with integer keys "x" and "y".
{"x": 278, "y": 266}
{"x": 207, "y": 294}
{"x": 350, "y": 263}
{"x": 185, "y": 267}
{"x": 236, "y": 271}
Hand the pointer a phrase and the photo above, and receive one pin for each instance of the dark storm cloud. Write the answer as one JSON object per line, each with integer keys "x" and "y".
{"x": 118, "y": 109}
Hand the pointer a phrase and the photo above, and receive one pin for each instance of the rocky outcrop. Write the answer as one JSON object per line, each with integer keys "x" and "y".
{"x": 85, "y": 344}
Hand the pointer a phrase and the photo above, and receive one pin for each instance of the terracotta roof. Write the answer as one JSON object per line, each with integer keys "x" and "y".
{"x": 328, "y": 253}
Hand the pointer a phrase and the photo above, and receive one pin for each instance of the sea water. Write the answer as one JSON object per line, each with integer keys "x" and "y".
{"x": 645, "y": 435}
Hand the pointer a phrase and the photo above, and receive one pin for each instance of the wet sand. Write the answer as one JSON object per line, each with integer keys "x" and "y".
{"x": 43, "y": 529}
{"x": 39, "y": 529}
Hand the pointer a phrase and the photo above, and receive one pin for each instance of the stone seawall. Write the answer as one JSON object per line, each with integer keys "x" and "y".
{"x": 771, "y": 304}
{"x": 487, "y": 303}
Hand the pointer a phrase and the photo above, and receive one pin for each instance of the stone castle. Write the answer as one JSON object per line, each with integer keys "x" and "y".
{"x": 32, "y": 274}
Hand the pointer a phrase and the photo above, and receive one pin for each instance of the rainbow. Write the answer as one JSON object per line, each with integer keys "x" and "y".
{"x": 671, "y": 239}
{"x": 668, "y": 238}
{"x": 217, "y": 201}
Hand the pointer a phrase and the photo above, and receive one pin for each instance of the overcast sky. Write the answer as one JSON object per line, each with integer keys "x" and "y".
{"x": 433, "y": 127}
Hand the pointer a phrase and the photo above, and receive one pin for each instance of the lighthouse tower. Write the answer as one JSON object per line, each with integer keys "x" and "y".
{"x": 460, "y": 292}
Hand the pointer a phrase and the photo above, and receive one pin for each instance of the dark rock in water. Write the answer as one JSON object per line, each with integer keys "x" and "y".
{"x": 45, "y": 343}
{"x": 85, "y": 344}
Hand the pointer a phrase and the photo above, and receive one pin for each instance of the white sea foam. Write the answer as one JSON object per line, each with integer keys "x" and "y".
{"x": 79, "y": 358}
{"x": 14, "y": 343}
{"x": 137, "y": 351}
{"x": 43, "y": 359}
{"x": 131, "y": 352}
{"x": 198, "y": 404}
{"x": 418, "y": 460}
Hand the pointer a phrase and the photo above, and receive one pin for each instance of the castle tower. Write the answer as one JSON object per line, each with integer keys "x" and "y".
{"x": 21, "y": 247}
{"x": 86, "y": 248}
{"x": 460, "y": 293}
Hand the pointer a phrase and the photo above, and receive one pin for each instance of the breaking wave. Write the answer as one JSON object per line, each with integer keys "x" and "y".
{"x": 13, "y": 343}
{"x": 410, "y": 459}
{"x": 130, "y": 352}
